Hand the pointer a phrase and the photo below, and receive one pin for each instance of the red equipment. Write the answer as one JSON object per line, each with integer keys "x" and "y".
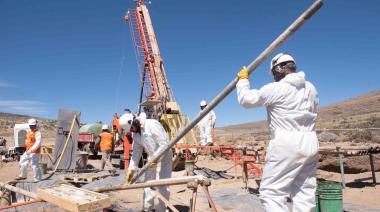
{"x": 250, "y": 159}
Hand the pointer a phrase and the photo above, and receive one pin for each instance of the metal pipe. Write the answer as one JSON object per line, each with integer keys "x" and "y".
{"x": 372, "y": 168}
{"x": 20, "y": 204}
{"x": 152, "y": 183}
{"x": 231, "y": 86}
{"x": 341, "y": 165}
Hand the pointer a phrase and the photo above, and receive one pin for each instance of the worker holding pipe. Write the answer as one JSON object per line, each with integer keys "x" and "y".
{"x": 206, "y": 126}
{"x": 292, "y": 155}
{"x": 33, "y": 152}
{"x": 150, "y": 136}
{"x": 105, "y": 143}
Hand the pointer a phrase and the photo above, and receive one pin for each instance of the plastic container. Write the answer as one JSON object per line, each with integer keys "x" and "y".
{"x": 330, "y": 196}
{"x": 316, "y": 209}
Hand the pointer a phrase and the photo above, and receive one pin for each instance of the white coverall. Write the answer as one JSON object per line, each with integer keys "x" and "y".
{"x": 33, "y": 158}
{"x": 153, "y": 139}
{"x": 205, "y": 127}
{"x": 292, "y": 154}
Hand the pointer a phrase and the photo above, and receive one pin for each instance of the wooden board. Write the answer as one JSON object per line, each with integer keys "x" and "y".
{"x": 74, "y": 199}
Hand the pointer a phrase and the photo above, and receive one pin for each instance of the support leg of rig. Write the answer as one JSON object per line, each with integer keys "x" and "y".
{"x": 193, "y": 186}
{"x": 210, "y": 202}
{"x": 167, "y": 203}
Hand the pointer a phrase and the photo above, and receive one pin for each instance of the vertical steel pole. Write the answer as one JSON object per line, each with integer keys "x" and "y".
{"x": 372, "y": 168}
{"x": 341, "y": 164}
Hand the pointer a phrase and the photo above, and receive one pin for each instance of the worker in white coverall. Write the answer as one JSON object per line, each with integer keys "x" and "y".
{"x": 149, "y": 135}
{"x": 292, "y": 155}
{"x": 206, "y": 125}
{"x": 32, "y": 154}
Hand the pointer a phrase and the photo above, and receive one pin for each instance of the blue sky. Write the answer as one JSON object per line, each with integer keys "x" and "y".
{"x": 68, "y": 54}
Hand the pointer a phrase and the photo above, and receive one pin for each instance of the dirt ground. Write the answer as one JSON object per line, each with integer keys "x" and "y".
{"x": 359, "y": 190}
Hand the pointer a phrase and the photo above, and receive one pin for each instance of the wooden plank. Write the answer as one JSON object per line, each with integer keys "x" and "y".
{"x": 74, "y": 199}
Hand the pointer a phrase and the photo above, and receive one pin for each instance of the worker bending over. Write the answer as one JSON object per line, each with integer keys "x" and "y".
{"x": 206, "y": 126}
{"x": 150, "y": 136}
{"x": 33, "y": 152}
{"x": 105, "y": 143}
{"x": 292, "y": 155}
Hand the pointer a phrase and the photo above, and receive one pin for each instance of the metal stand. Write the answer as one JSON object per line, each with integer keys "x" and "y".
{"x": 341, "y": 158}
{"x": 372, "y": 168}
{"x": 194, "y": 187}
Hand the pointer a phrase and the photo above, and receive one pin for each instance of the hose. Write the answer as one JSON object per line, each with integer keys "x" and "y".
{"x": 64, "y": 149}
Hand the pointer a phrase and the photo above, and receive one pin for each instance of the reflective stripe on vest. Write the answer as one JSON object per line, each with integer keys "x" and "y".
{"x": 31, "y": 140}
{"x": 106, "y": 139}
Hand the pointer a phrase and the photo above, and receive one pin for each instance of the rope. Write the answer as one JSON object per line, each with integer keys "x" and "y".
{"x": 121, "y": 67}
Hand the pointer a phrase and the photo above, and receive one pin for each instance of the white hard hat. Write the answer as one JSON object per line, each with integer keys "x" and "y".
{"x": 125, "y": 121}
{"x": 105, "y": 127}
{"x": 32, "y": 122}
{"x": 203, "y": 103}
{"x": 280, "y": 58}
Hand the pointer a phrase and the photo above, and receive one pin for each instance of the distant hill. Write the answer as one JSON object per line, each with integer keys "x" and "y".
{"x": 359, "y": 112}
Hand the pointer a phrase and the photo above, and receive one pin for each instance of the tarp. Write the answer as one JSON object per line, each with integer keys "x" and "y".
{"x": 96, "y": 129}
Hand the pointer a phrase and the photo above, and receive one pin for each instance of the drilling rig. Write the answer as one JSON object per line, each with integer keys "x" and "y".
{"x": 156, "y": 96}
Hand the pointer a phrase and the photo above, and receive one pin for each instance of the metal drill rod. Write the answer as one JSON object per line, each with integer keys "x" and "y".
{"x": 231, "y": 86}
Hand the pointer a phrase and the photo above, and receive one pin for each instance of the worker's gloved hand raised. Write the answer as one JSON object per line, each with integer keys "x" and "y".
{"x": 129, "y": 176}
{"x": 243, "y": 73}
{"x": 152, "y": 165}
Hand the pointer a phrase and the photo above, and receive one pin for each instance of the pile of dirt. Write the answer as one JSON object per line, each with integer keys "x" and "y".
{"x": 352, "y": 165}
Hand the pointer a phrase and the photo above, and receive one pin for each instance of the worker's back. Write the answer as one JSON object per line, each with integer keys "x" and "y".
{"x": 292, "y": 104}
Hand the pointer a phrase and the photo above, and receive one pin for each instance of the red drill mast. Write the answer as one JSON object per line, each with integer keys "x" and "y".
{"x": 150, "y": 63}
{"x": 159, "y": 102}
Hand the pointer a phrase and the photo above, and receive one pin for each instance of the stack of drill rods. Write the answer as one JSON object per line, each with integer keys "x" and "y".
{"x": 231, "y": 86}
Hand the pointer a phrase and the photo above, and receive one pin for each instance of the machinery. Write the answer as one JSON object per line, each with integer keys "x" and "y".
{"x": 156, "y": 97}
{"x": 87, "y": 136}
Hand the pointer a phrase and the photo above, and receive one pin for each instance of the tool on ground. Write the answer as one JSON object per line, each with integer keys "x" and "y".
{"x": 231, "y": 86}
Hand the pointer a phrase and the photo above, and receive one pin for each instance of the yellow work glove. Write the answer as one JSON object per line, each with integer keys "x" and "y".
{"x": 129, "y": 176}
{"x": 152, "y": 165}
{"x": 243, "y": 73}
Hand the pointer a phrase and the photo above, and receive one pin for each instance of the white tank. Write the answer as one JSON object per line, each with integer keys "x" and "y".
{"x": 20, "y": 131}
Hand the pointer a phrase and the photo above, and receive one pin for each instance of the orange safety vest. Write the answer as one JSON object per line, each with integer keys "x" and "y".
{"x": 31, "y": 140}
{"x": 106, "y": 140}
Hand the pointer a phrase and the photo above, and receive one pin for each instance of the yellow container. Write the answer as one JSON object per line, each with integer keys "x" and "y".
{"x": 46, "y": 150}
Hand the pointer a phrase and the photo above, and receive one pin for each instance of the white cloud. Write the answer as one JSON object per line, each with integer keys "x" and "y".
{"x": 23, "y": 106}
{"x": 5, "y": 84}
